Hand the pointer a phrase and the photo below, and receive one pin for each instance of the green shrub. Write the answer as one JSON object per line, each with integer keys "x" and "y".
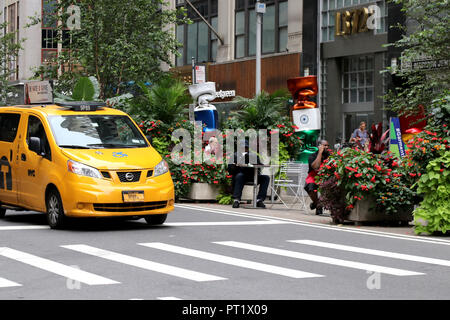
{"x": 433, "y": 214}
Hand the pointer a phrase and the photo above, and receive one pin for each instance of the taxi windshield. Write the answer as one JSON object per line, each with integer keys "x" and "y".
{"x": 96, "y": 132}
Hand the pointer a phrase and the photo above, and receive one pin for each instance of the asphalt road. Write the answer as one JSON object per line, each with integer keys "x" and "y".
{"x": 199, "y": 254}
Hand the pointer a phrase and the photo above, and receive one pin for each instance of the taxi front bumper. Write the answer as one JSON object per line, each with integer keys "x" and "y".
{"x": 105, "y": 199}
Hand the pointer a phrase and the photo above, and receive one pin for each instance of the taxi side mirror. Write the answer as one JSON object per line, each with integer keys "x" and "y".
{"x": 150, "y": 139}
{"x": 35, "y": 145}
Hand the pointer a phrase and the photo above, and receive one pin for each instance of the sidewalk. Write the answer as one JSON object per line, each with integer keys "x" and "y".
{"x": 296, "y": 214}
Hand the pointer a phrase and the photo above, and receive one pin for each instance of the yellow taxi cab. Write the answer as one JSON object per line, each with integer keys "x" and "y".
{"x": 80, "y": 159}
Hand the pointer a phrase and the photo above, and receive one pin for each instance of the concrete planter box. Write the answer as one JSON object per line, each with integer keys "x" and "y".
{"x": 203, "y": 191}
{"x": 365, "y": 211}
{"x": 206, "y": 191}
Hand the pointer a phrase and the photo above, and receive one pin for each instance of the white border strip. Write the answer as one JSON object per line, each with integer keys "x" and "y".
{"x": 222, "y": 223}
{"x": 12, "y": 228}
{"x": 320, "y": 226}
{"x": 168, "y": 298}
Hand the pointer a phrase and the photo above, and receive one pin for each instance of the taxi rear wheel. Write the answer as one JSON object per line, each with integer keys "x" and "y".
{"x": 55, "y": 211}
{"x": 2, "y": 212}
{"x": 156, "y": 219}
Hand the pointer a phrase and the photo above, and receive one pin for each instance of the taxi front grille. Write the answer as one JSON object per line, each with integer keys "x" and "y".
{"x": 131, "y": 176}
{"x": 129, "y": 207}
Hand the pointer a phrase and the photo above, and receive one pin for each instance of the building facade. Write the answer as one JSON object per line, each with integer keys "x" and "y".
{"x": 17, "y": 13}
{"x": 230, "y": 57}
{"x": 349, "y": 57}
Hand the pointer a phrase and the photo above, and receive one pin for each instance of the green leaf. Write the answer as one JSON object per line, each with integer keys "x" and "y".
{"x": 84, "y": 90}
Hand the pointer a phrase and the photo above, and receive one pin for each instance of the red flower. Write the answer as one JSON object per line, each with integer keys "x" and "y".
{"x": 373, "y": 179}
{"x": 358, "y": 175}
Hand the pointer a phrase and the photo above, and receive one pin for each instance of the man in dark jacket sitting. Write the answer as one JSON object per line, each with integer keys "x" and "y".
{"x": 242, "y": 173}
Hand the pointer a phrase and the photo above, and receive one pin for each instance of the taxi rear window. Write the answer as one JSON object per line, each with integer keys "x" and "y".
{"x": 9, "y": 122}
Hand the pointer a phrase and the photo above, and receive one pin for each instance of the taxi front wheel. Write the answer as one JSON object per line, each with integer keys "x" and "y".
{"x": 55, "y": 211}
{"x": 156, "y": 219}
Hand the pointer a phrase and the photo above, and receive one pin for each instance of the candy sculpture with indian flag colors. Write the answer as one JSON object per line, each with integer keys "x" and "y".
{"x": 305, "y": 113}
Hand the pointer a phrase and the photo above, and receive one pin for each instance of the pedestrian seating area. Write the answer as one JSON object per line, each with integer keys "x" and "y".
{"x": 290, "y": 176}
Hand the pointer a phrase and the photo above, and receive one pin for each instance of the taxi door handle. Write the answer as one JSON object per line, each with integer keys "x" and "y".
{"x": 10, "y": 155}
{"x": 23, "y": 157}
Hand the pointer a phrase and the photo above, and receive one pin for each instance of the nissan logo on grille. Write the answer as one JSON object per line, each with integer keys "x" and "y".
{"x": 129, "y": 176}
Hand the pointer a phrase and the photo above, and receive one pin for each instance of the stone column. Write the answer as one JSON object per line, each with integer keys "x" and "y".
{"x": 295, "y": 20}
{"x": 226, "y": 21}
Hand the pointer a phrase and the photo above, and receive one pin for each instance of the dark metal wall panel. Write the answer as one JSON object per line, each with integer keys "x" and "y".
{"x": 310, "y": 36}
{"x": 240, "y": 75}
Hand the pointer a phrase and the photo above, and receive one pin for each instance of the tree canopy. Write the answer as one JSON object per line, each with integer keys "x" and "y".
{"x": 425, "y": 62}
{"x": 116, "y": 42}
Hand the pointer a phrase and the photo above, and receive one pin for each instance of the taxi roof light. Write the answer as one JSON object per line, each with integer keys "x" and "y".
{"x": 82, "y": 105}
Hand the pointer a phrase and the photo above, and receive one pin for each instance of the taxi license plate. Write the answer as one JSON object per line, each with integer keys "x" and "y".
{"x": 133, "y": 196}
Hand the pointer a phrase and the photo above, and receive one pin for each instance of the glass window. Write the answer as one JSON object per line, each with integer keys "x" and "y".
{"x": 214, "y": 40}
{"x": 240, "y": 34}
{"x": 268, "y": 30}
{"x": 197, "y": 39}
{"x": 283, "y": 14}
{"x": 252, "y": 33}
{"x": 358, "y": 76}
{"x": 332, "y": 5}
{"x": 9, "y": 122}
{"x": 240, "y": 23}
{"x": 180, "y": 38}
{"x": 240, "y": 47}
{"x": 202, "y": 42}
{"x": 192, "y": 40}
{"x": 274, "y": 28}
{"x": 283, "y": 39}
{"x": 36, "y": 130}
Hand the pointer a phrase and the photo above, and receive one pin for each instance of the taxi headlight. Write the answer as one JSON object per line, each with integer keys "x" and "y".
{"x": 83, "y": 170}
{"x": 161, "y": 168}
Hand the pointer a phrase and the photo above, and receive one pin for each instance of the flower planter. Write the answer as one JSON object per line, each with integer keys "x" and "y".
{"x": 203, "y": 191}
{"x": 365, "y": 211}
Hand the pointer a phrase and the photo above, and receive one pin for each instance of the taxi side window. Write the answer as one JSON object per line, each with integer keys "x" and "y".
{"x": 36, "y": 129}
{"x": 9, "y": 122}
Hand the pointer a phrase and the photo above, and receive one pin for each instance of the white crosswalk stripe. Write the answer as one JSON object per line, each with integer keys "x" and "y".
{"x": 55, "y": 267}
{"x": 74, "y": 273}
{"x": 380, "y": 253}
{"x": 232, "y": 261}
{"x": 5, "y": 283}
{"x": 144, "y": 264}
{"x": 321, "y": 259}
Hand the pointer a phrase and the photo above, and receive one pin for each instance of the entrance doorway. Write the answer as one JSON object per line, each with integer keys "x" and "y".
{"x": 352, "y": 120}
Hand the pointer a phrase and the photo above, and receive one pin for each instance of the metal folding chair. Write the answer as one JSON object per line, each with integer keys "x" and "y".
{"x": 292, "y": 176}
